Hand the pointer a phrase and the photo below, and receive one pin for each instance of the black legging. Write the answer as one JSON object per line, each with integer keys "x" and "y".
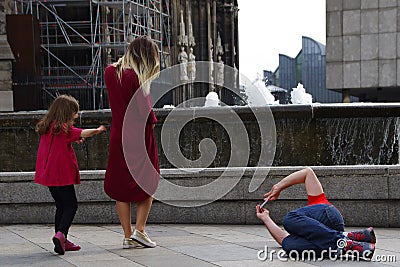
{"x": 66, "y": 206}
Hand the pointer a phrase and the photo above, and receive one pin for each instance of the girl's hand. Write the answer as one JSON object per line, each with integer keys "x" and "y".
{"x": 80, "y": 141}
{"x": 102, "y": 128}
{"x": 273, "y": 194}
{"x": 262, "y": 214}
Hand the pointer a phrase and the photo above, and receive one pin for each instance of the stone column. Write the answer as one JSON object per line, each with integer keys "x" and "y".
{"x": 346, "y": 96}
{"x": 6, "y": 57}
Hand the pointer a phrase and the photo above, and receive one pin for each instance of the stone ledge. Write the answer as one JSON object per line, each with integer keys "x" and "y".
{"x": 342, "y": 170}
{"x": 365, "y": 194}
{"x": 316, "y": 110}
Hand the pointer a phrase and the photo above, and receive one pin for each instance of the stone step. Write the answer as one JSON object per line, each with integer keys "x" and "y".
{"x": 366, "y": 195}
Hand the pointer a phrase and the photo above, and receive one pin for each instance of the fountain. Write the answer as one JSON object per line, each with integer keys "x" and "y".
{"x": 299, "y": 95}
{"x": 328, "y": 134}
{"x": 257, "y": 94}
{"x": 212, "y": 100}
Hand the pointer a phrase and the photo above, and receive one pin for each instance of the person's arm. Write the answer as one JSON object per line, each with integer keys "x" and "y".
{"x": 90, "y": 132}
{"x": 152, "y": 118}
{"x": 276, "y": 232}
{"x": 306, "y": 176}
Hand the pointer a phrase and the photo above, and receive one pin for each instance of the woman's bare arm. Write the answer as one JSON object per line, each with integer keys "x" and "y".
{"x": 306, "y": 176}
{"x": 276, "y": 232}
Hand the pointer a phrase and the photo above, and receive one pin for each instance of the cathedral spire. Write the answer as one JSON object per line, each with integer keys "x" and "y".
{"x": 182, "y": 37}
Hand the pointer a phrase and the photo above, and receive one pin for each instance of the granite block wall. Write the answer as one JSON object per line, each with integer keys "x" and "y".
{"x": 366, "y": 195}
{"x": 363, "y": 48}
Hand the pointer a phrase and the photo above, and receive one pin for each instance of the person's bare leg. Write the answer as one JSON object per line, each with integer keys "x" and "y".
{"x": 277, "y": 233}
{"x": 142, "y": 212}
{"x": 124, "y": 210}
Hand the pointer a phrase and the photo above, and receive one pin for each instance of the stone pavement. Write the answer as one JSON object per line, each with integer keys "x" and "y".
{"x": 178, "y": 245}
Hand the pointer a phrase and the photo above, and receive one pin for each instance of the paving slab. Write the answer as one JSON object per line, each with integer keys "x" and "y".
{"x": 256, "y": 263}
{"x": 176, "y": 260}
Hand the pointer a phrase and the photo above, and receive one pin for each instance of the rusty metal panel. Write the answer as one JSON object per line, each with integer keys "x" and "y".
{"x": 23, "y": 34}
{"x": 24, "y": 38}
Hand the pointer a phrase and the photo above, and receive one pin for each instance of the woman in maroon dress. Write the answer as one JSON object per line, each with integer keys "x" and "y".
{"x": 133, "y": 169}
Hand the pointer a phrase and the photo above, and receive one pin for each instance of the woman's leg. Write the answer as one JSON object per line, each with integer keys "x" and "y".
{"x": 299, "y": 244}
{"x": 124, "y": 210}
{"x": 142, "y": 212}
{"x": 302, "y": 223}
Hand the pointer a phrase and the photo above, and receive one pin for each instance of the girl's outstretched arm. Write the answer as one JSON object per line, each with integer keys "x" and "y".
{"x": 90, "y": 132}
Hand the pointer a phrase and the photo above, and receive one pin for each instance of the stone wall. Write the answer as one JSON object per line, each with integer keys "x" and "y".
{"x": 366, "y": 195}
{"x": 314, "y": 135}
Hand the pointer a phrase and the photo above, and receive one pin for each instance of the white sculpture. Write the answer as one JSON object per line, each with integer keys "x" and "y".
{"x": 220, "y": 72}
{"x": 210, "y": 59}
{"x": 220, "y": 49}
{"x": 191, "y": 65}
{"x": 183, "y": 60}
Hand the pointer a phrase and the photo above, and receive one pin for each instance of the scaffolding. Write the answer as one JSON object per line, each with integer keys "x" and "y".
{"x": 79, "y": 38}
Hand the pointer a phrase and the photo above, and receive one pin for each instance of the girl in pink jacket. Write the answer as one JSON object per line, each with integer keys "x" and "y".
{"x": 56, "y": 164}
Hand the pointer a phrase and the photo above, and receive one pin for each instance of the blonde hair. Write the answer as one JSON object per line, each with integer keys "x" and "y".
{"x": 142, "y": 56}
{"x": 61, "y": 112}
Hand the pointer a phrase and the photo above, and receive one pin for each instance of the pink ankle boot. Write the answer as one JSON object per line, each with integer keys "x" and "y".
{"x": 59, "y": 243}
{"x": 69, "y": 246}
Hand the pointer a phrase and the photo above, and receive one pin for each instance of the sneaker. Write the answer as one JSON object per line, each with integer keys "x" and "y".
{"x": 69, "y": 246}
{"x": 367, "y": 235}
{"x": 130, "y": 243}
{"x": 143, "y": 239}
{"x": 59, "y": 243}
{"x": 365, "y": 250}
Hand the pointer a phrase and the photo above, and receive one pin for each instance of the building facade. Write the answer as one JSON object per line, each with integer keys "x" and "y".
{"x": 308, "y": 67}
{"x": 363, "y": 49}
{"x": 72, "y": 42}
{"x": 213, "y": 26}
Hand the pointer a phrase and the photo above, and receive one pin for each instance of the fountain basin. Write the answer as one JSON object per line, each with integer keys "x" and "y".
{"x": 306, "y": 135}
